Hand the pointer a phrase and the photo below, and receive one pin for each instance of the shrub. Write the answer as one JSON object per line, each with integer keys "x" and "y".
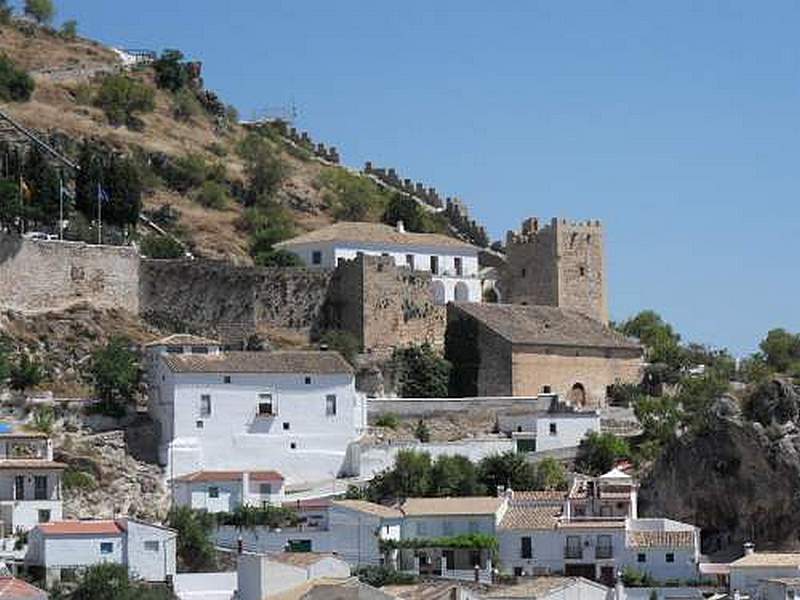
{"x": 218, "y": 149}
{"x": 421, "y": 432}
{"x": 42, "y": 11}
{"x": 25, "y": 373}
{"x": 185, "y": 105}
{"x": 353, "y": 197}
{"x": 83, "y": 94}
{"x": 213, "y": 195}
{"x": 195, "y": 547}
{"x": 343, "y": 342}
{"x": 186, "y": 172}
{"x": 69, "y": 29}
{"x": 115, "y": 370}
{"x": 161, "y": 246}
{"x": 421, "y": 372}
{"x": 43, "y": 419}
{"x": 15, "y": 84}
{"x": 122, "y": 98}
{"x": 78, "y": 480}
{"x": 379, "y": 576}
{"x": 414, "y": 217}
{"x": 598, "y": 452}
{"x": 389, "y": 420}
{"x": 264, "y": 169}
{"x": 171, "y": 70}
{"x": 248, "y": 517}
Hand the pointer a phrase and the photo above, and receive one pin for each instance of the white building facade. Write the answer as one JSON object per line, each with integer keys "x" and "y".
{"x": 148, "y": 551}
{"x": 224, "y": 491}
{"x": 452, "y": 263}
{"x": 290, "y": 412}
{"x": 30, "y": 482}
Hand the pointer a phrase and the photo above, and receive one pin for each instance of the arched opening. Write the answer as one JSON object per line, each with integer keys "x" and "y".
{"x": 462, "y": 292}
{"x": 577, "y": 395}
{"x": 490, "y": 296}
{"x": 438, "y": 292}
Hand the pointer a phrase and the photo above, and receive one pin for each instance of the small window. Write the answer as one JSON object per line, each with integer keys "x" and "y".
{"x": 526, "y": 548}
{"x": 199, "y": 349}
{"x": 340, "y": 261}
{"x": 286, "y": 426}
{"x": 226, "y": 379}
{"x": 524, "y": 272}
{"x": 583, "y": 271}
{"x": 213, "y": 492}
{"x": 641, "y": 557}
{"x": 293, "y": 446}
{"x": 517, "y": 571}
{"x": 330, "y": 405}
{"x": 44, "y": 516}
{"x": 459, "y": 265}
{"x": 546, "y": 389}
{"x": 174, "y": 349}
{"x": 40, "y": 487}
{"x": 198, "y": 424}
{"x": 265, "y": 489}
{"x": 205, "y": 405}
{"x": 410, "y": 261}
{"x": 670, "y": 558}
{"x": 265, "y": 405}
{"x": 316, "y": 257}
{"x": 553, "y": 429}
{"x": 106, "y": 547}
{"x": 435, "y": 265}
{"x": 151, "y": 545}
{"x": 308, "y": 380}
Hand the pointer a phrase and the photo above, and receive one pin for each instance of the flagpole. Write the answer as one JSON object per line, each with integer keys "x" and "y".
{"x": 99, "y": 215}
{"x": 61, "y": 208}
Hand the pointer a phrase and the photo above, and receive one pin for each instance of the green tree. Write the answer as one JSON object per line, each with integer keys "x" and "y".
{"x": 124, "y": 190}
{"x": 406, "y": 209}
{"x": 42, "y": 180}
{"x": 214, "y": 195}
{"x": 6, "y": 11}
{"x": 754, "y": 369}
{"x": 185, "y": 105}
{"x": 421, "y": 372}
{"x": 115, "y": 371}
{"x": 171, "y": 70}
{"x": 781, "y": 349}
{"x": 352, "y": 197}
{"x": 662, "y": 342}
{"x": 25, "y": 373}
{"x": 42, "y": 11}
{"x": 195, "y": 547}
{"x": 88, "y": 178}
{"x": 5, "y": 363}
{"x": 599, "y": 452}
{"x": 421, "y": 432}
{"x": 270, "y": 223}
{"x": 659, "y": 418}
{"x": 69, "y": 29}
{"x": 160, "y": 246}
{"x": 507, "y": 470}
{"x": 265, "y": 170}
{"x": 409, "y": 477}
{"x": 454, "y": 476}
{"x": 10, "y": 205}
{"x": 550, "y": 475}
{"x": 110, "y": 581}
{"x": 343, "y": 342}
{"x": 15, "y": 84}
{"x": 44, "y": 419}
{"x": 123, "y": 98}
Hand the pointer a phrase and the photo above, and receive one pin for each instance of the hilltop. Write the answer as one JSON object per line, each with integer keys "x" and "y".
{"x": 206, "y": 137}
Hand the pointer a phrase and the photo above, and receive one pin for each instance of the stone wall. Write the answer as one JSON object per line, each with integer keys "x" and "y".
{"x": 39, "y": 276}
{"x": 228, "y": 301}
{"x": 559, "y": 264}
{"x": 384, "y": 306}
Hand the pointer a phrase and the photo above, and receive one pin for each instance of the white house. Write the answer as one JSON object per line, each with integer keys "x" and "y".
{"x": 224, "y": 491}
{"x": 266, "y": 575}
{"x": 148, "y": 551}
{"x": 750, "y": 574}
{"x": 30, "y": 482}
{"x": 560, "y": 426}
{"x": 452, "y": 263}
{"x": 294, "y": 412}
{"x": 593, "y": 531}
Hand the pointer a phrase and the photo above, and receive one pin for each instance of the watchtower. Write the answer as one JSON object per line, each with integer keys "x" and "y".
{"x": 558, "y": 264}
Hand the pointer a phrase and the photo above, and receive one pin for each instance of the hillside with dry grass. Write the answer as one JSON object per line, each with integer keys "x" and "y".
{"x": 68, "y": 74}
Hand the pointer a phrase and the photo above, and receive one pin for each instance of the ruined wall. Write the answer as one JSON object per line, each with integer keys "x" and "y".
{"x": 559, "y": 264}
{"x": 228, "y": 301}
{"x": 39, "y": 276}
{"x": 385, "y": 306}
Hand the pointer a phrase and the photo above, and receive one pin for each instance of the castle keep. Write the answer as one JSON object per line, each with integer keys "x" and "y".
{"x": 560, "y": 264}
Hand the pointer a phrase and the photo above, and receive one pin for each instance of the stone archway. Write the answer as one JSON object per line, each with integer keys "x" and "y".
{"x": 437, "y": 287}
{"x": 462, "y": 292}
{"x": 490, "y": 296}
{"x": 577, "y": 395}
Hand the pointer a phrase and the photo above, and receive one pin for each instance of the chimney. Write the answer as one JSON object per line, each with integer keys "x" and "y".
{"x": 401, "y": 227}
{"x": 749, "y": 548}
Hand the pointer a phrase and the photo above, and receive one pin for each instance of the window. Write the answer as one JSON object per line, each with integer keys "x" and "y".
{"x": 265, "y": 489}
{"x": 316, "y": 257}
{"x": 524, "y": 272}
{"x": 583, "y": 271}
{"x": 151, "y": 545}
{"x": 435, "y": 265}
{"x": 459, "y": 265}
{"x": 546, "y": 389}
{"x": 293, "y": 446}
{"x": 641, "y": 557}
{"x": 670, "y": 558}
{"x": 106, "y": 547}
{"x": 213, "y": 492}
{"x": 603, "y": 549}
{"x": 308, "y": 380}
{"x": 205, "y": 405}
{"x": 226, "y": 379}
{"x": 580, "y": 511}
{"x": 19, "y": 487}
{"x": 553, "y": 429}
{"x": 410, "y": 261}
{"x": 330, "y": 405}
{"x": 198, "y": 424}
{"x": 174, "y": 349}
{"x": 265, "y": 406}
{"x": 199, "y": 349}
{"x": 525, "y": 548}
{"x": 40, "y": 487}
{"x": 286, "y": 426}
{"x": 44, "y": 516}
{"x": 573, "y": 549}
{"x": 517, "y": 571}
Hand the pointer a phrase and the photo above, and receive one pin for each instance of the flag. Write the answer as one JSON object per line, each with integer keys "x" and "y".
{"x": 102, "y": 195}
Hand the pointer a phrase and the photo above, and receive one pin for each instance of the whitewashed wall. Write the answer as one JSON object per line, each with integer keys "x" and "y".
{"x": 80, "y": 551}
{"x": 570, "y": 430}
{"x": 147, "y": 563}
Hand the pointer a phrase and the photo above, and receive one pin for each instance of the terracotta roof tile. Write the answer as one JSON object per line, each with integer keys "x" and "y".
{"x": 547, "y": 325}
{"x": 371, "y": 508}
{"x": 184, "y": 339}
{"x": 539, "y": 496}
{"x": 376, "y": 234}
{"x": 312, "y": 362}
{"x": 592, "y": 524}
{"x": 467, "y": 505}
{"x": 661, "y": 539}
{"x": 210, "y": 476}
{"x": 298, "y": 559}
{"x": 531, "y": 517}
{"x": 81, "y": 528}
{"x": 531, "y": 589}
{"x": 12, "y": 588}
{"x": 769, "y": 559}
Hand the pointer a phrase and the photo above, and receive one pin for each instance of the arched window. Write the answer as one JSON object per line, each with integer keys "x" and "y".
{"x": 438, "y": 292}
{"x": 577, "y": 395}
{"x": 462, "y": 292}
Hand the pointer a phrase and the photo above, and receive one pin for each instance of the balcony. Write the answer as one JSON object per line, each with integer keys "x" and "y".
{"x": 573, "y": 552}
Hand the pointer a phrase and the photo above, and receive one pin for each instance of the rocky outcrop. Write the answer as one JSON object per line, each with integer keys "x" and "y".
{"x": 738, "y": 478}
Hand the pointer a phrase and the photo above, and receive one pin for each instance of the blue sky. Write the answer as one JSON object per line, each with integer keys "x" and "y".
{"x": 675, "y": 123}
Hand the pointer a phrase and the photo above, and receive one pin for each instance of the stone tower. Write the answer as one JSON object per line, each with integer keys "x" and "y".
{"x": 558, "y": 264}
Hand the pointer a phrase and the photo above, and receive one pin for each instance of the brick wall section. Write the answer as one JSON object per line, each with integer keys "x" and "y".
{"x": 41, "y": 276}
{"x": 228, "y": 301}
{"x": 384, "y": 305}
{"x": 559, "y": 264}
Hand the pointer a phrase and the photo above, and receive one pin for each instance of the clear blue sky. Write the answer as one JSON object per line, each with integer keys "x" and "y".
{"x": 675, "y": 123}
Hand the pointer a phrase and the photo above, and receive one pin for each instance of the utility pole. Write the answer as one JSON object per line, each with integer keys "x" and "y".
{"x": 60, "y": 207}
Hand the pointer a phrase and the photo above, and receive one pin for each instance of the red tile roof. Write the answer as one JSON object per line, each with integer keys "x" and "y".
{"x": 12, "y": 588}
{"x": 81, "y": 528}
{"x": 211, "y": 476}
